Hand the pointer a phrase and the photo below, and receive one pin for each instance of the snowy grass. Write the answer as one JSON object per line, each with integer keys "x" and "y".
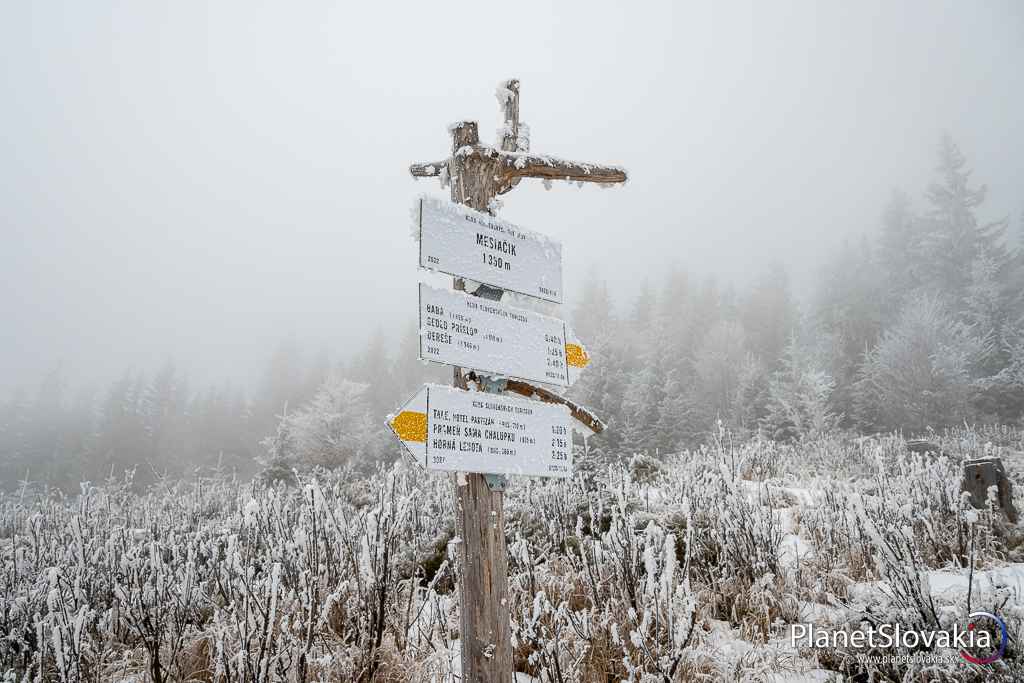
{"x": 691, "y": 567}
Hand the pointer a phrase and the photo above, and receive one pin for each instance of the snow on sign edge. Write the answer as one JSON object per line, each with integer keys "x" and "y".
{"x": 540, "y": 262}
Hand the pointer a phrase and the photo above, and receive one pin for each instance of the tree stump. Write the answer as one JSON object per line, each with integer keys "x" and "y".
{"x": 982, "y": 473}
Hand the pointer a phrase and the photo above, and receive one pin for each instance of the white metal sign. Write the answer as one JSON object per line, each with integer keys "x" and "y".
{"x": 457, "y": 240}
{"x": 473, "y": 332}
{"x": 467, "y": 431}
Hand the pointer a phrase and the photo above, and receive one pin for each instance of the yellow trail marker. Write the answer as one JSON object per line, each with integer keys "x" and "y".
{"x": 576, "y": 356}
{"x": 410, "y": 426}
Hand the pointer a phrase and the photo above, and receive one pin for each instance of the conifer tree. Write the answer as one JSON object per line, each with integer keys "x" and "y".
{"x": 280, "y": 457}
{"x": 640, "y": 403}
{"x": 900, "y": 257}
{"x": 768, "y": 315}
{"x": 954, "y": 237}
{"x": 372, "y": 367}
{"x": 603, "y": 385}
{"x": 849, "y": 312}
{"x": 798, "y": 396}
{"x": 717, "y": 366}
{"x": 593, "y": 314}
{"x": 919, "y": 374}
{"x": 679, "y": 423}
{"x": 676, "y": 324}
{"x": 752, "y": 391}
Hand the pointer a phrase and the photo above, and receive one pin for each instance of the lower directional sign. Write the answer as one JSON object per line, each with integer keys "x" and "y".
{"x": 450, "y": 429}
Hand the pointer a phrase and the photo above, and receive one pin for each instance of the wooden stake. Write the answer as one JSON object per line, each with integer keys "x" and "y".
{"x": 478, "y": 174}
{"x": 485, "y": 633}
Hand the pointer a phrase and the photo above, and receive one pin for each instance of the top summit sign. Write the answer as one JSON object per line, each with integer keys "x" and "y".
{"x": 457, "y": 240}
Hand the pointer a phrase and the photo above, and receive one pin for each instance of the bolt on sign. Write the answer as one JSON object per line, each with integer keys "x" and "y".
{"x": 457, "y": 240}
{"x": 452, "y": 430}
{"x": 490, "y": 337}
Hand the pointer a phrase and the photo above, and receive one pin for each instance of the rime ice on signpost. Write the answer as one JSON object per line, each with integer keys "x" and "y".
{"x": 481, "y": 433}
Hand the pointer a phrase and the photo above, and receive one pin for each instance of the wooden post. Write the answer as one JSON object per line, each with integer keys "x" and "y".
{"x": 477, "y": 175}
{"x": 485, "y": 633}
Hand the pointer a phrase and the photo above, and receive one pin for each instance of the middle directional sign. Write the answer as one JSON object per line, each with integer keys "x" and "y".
{"x": 477, "y": 333}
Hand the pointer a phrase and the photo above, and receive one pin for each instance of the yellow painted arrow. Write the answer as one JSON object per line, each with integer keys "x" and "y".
{"x": 410, "y": 426}
{"x": 576, "y": 356}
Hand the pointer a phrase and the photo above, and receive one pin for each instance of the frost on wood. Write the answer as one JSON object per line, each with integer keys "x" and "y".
{"x": 504, "y": 92}
{"x": 511, "y": 157}
{"x": 528, "y": 164}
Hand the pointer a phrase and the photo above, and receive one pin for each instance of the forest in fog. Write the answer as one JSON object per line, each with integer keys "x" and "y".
{"x": 916, "y": 326}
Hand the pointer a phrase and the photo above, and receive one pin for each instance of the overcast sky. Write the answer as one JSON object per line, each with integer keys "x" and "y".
{"x": 197, "y": 181}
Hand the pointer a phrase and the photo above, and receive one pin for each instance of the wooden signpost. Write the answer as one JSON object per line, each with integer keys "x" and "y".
{"x": 473, "y": 245}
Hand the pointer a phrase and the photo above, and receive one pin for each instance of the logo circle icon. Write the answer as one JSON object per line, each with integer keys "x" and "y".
{"x": 998, "y": 654}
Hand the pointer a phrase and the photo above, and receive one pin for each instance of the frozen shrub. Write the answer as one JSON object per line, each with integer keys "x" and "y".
{"x": 619, "y": 604}
{"x": 636, "y": 571}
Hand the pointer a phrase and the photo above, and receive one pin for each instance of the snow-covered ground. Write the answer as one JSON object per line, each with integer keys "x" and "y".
{"x": 695, "y": 566}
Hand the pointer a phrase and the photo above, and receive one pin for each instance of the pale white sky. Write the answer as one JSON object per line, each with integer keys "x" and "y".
{"x": 198, "y": 180}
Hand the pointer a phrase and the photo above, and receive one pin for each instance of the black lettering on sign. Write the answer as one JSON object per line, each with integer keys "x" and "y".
{"x": 447, "y": 430}
{"x": 495, "y": 435}
{"x": 503, "y": 246}
{"x": 439, "y": 337}
{"x": 437, "y": 322}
